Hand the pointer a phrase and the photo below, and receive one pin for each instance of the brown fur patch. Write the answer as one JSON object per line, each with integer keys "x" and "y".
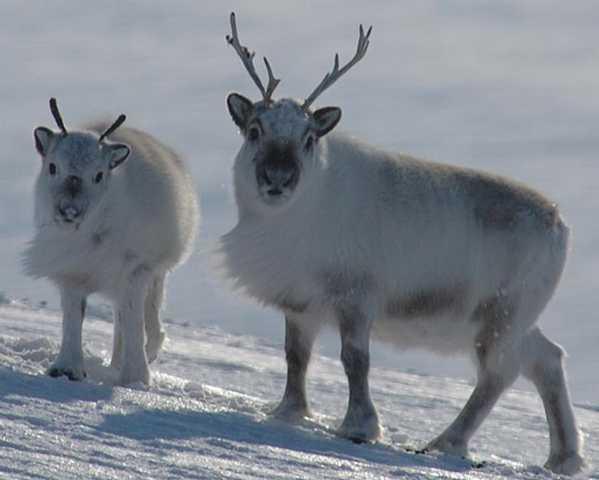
{"x": 501, "y": 204}
{"x": 426, "y": 303}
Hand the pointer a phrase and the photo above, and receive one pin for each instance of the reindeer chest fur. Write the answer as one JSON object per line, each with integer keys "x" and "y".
{"x": 87, "y": 257}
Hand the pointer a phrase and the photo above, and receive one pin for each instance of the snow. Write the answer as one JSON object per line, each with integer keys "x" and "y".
{"x": 206, "y": 414}
{"x": 509, "y": 87}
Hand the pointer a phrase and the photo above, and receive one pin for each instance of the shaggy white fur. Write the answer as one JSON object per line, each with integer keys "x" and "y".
{"x": 112, "y": 217}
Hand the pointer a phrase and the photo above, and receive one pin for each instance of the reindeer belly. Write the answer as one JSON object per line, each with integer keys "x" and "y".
{"x": 440, "y": 333}
{"x": 440, "y": 319}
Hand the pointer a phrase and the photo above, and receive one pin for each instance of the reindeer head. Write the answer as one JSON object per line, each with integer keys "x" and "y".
{"x": 76, "y": 169}
{"x": 281, "y": 137}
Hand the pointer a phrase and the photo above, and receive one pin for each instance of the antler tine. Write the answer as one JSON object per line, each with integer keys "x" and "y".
{"x": 272, "y": 81}
{"x": 331, "y": 77}
{"x": 247, "y": 58}
{"x": 117, "y": 123}
{"x": 57, "y": 116}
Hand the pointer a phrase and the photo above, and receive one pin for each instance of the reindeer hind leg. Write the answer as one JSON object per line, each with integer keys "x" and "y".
{"x": 543, "y": 365}
{"x": 155, "y": 334}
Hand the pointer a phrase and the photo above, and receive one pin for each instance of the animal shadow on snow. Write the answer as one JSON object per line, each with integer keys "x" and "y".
{"x": 36, "y": 355}
{"x": 225, "y": 429}
{"x": 16, "y": 385}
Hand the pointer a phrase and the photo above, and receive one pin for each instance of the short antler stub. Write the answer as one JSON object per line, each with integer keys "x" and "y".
{"x": 117, "y": 123}
{"x": 57, "y": 116}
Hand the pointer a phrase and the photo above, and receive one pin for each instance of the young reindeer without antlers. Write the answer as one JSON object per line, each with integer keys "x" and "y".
{"x": 332, "y": 230}
{"x": 112, "y": 218}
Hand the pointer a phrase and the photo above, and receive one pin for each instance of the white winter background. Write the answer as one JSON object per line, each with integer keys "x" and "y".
{"x": 504, "y": 86}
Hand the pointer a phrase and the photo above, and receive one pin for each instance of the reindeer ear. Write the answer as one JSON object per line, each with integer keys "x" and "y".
{"x": 117, "y": 153}
{"x": 43, "y": 140}
{"x": 240, "y": 109}
{"x": 326, "y": 119}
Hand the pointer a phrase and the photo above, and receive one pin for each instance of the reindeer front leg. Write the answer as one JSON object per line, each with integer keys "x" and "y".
{"x": 361, "y": 422}
{"x": 70, "y": 359}
{"x": 130, "y": 307}
{"x": 299, "y": 339}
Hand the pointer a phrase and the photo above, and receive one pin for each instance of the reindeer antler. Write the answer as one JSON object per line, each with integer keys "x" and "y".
{"x": 57, "y": 116}
{"x": 247, "y": 59}
{"x": 117, "y": 123}
{"x": 333, "y": 76}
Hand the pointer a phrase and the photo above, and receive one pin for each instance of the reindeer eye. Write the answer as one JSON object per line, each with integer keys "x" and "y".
{"x": 52, "y": 169}
{"x": 98, "y": 178}
{"x": 253, "y": 134}
{"x": 309, "y": 143}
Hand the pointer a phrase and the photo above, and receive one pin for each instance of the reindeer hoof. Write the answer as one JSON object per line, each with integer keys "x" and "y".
{"x": 566, "y": 464}
{"x": 367, "y": 431}
{"x": 73, "y": 374}
{"x": 449, "y": 446}
{"x": 291, "y": 413}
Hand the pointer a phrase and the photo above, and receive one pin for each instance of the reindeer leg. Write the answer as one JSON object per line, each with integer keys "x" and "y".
{"x": 134, "y": 366}
{"x": 498, "y": 368}
{"x": 154, "y": 332}
{"x": 117, "y": 342}
{"x": 70, "y": 358}
{"x": 361, "y": 422}
{"x": 544, "y": 366}
{"x": 299, "y": 339}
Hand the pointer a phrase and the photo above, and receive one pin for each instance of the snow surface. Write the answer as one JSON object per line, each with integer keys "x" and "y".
{"x": 505, "y": 86}
{"x": 206, "y": 415}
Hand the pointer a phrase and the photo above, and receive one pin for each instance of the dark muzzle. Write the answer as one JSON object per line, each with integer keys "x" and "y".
{"x": 72, "y": 185}
{"x": 276, "y": 180}
{"x": 278, "y": 171}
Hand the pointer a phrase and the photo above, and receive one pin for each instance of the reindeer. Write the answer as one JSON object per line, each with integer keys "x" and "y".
{"x": 334, "y": 231}
{"x": 112, "y": 217}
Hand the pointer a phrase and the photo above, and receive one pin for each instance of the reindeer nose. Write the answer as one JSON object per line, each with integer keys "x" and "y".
{"x": 278, "y": 178}
{"x": 73, "y": 184}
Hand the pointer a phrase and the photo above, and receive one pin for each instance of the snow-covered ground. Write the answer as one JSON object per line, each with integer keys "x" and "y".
{"x": 505, "y": 86}
{"x": 206, "y": 415}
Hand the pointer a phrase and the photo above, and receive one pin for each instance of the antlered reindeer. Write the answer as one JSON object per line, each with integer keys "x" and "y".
{"x": 112, "y": 217}
{"x": 333, "y": 230}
